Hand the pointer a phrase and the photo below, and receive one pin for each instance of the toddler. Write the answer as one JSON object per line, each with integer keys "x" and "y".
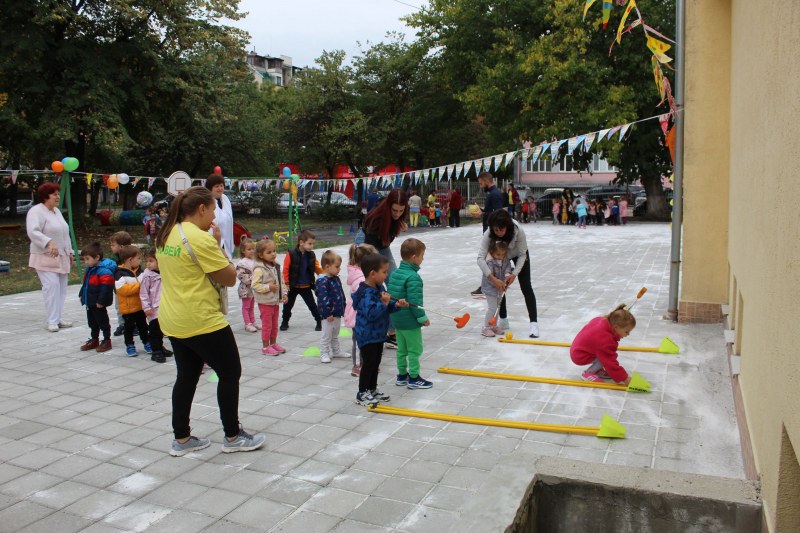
{"x": 596, "y": 345}
{"x": 269, "y": 292}
{"x": 556, "y": 211}
{"x": 299, "y": 269}
{"x": 116, "y": 242}
{"x": 97, "y": 293}
{"x": 150, "y": 295}
{"x": 373, "y": 306}
{"x": 581, "y": 210}
{"x": 244, "y": 271}
{"x": 127, "y": 283}
{"x": 354, "y": 278}
{"x": 406, "y": 284}
{"x": 330, "y": 302}
{"x": 500, "y": 266}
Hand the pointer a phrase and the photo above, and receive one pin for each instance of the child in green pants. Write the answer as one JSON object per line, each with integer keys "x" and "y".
{"x": 406, "y": 284}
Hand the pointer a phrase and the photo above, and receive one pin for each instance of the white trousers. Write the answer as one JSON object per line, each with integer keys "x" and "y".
{"x": 329, "y": 343}
{"x": 54, "y": 289}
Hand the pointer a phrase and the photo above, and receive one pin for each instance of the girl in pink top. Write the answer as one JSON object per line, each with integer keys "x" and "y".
{"x": 623, "y": 210}
{"x": 354, "y": 278}
{"x": 596, "y": 345}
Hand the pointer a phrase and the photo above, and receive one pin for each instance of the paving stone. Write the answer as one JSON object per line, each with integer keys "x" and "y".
{"x": 334, "y": 502}
{"x": 21, "y": 514}
{"x": 256, "y": 512}
{"x": 381, "y": 512}
{"x": 179, "y": 521}
{"x": 290, "y": 491}
{"x": 423, "y": 519}
{"x": 59, "y": 521}
{"x": 215, "y": 502}
{"x": 303, "y": 521}
{"x": 138, "y": 516}
{"x": 99, "y": 504}
{"x": 404, "y": 490}
{"x": 423, "y": 471}
{"x": 27, "y": 484}
{"x": 62, "y": 495}
{"x": 447, "y": 498}
{"x": 316, "y": 471}
{"x": 358, "y": 481}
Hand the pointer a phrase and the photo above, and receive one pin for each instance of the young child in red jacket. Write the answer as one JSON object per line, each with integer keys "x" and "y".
{"x": 596, "y": 345}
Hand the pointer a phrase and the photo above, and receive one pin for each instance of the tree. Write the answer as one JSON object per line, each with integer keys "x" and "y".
{"x": 537, "y": 71}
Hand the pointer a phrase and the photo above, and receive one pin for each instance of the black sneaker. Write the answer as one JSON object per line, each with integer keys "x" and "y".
{"x": 477, "y": 292}
{"x": 158, "y": 357}
{"x": 167, "y": 353}
{"x": 365, "y": 398}
{"x": 319, "y": 326}
{"x": 284, "y": 326}
{"x": 391, "y": 342}
{"x": 119, "y": 331}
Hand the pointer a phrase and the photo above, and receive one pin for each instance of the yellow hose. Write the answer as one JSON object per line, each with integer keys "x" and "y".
{"x": 535, "y": 379}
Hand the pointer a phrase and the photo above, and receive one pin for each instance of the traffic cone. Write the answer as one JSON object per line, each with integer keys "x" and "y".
{"x": 352, "y": 229}
{"x": 340, "y": 233}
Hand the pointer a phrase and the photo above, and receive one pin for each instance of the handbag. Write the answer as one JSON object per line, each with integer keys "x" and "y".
{"x": 222, "y": 290}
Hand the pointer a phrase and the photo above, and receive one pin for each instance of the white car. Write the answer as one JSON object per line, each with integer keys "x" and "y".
{"x": 316, "y": 200}
{"x": 23, "y": 206}
{"x": 283, "y": 203}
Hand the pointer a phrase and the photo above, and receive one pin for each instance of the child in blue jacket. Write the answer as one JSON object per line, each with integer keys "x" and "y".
{"x": 97, "y": 293}
{"x": 330, "y": 304}
{"x": 373, "y": 306}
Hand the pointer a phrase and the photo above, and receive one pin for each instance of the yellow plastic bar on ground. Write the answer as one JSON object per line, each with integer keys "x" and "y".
{"x": 553, "y": 428}
{"x": 567, "y": 345}
{"x": 535, "y": 379}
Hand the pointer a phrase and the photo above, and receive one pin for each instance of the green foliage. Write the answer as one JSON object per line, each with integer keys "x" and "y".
{"x": 334, "y": 212}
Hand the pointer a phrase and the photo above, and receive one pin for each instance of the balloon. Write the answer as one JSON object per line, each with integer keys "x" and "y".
{"x": 294, "y": 190}
{"x": 123, "y": 178}
{"x": 287, "y": 171}
{"x": 144, "y": 198}
{"x": 286, "y": 185}
{"x": 70, "y": 163}
{"x": 57, "y": 166}
{"x": 113, "y": 181}
{"x": 295, "y": 177}
{"x": 218, "y": 170}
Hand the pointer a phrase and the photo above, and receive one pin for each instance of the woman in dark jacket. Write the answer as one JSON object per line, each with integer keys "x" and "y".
{"x": 385, "y": 222}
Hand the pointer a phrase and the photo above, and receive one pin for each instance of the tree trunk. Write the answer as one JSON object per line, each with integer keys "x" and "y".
{"x": 657, "y": 207}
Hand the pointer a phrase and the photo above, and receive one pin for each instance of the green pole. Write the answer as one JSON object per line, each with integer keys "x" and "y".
{"x": 291, "y": 225}
{"x": 67, "y": 196}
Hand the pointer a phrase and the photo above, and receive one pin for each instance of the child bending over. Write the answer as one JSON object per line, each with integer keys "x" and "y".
{"x": 596, "y": 345}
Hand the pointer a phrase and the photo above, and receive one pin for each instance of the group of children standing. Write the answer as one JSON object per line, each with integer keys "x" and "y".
{"x": 138, "y": 296}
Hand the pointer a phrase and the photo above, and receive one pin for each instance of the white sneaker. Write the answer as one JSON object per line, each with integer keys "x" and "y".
{"x": 64, "y": 324}
{"x": 342, "y": 355}
{"x": 250, "y": 327}
{"x": 534, "y": 332}
{"x": 324, "y": 358}
{"x": 52, "y": 328}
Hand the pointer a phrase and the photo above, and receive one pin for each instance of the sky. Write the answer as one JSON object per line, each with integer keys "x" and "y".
{"x": 302, "y": 29}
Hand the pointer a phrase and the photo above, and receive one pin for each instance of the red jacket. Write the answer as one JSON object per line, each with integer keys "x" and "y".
{"x": 598, "y": 340}
{"x": 455, "y": 200}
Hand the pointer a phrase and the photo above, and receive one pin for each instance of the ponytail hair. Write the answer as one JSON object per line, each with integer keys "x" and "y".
{"x": 243, "y": 243}
{"x": 184, "y": 205}
{"x": 620, "y": 317}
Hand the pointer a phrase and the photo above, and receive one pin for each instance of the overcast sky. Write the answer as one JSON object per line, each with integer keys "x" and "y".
{"x": 302, "y": 29}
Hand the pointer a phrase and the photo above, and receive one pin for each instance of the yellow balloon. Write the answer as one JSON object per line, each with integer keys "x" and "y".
{"x": 286, "y": 185}
{"x": 294, "y": 190}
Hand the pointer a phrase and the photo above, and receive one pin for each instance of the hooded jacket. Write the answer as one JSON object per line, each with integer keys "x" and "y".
{"x": 98, "y": 284}
{"x": 405, "y": 283}
{"x": 150, "y": 292}
{"x": 126, "y": 282}
{"x": 372, "y": 315}
{"x": 354, "y": 278}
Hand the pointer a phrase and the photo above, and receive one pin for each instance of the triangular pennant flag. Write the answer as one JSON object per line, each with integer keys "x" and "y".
{"x": 89, "y": 177}
{"x": 557, "y": 147}
{"x": 487, "y": 164}
{"x": 606, "y": 12}
{"x": 545, "y": 148}
{"x": 623, "y": 130}
{"x": 461, "y": 169}
{"x": 658, "y": 48}
{"x": 572, "y": 142}
{"x": 613, "y": 132}
{"x": 663, "y": 120}
{"x": 587, "y": 144}
{"x": 631, "y": 6}
{"x": 135, "y": 181}
{"x": 526, "y": 153}
{"x": 453, "y": 172}
{"x": 581, "y": 138}
{"x": 537, "y": 151}
{"x": 150, "y": 182}
{"x": 586, "y": 7}
{"x": 602, "y": 134}
{"x": 15, "y": 173}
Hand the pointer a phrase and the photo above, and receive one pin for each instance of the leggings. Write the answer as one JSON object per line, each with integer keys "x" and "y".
{"x": 371, "y": 355}
{"x": 524, "y": 280}
{"x": 218, "y": 349}
{"x": 248, "y": 311}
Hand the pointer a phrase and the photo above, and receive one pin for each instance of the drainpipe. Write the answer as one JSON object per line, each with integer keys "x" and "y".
{"x": 677, "y": 199}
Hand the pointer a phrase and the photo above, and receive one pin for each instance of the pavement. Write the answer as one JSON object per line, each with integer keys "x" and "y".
{"x": 84, "y": 437}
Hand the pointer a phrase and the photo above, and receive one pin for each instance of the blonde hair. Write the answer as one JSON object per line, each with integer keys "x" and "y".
{"x": 244, "y": 243}
{"x": 262, "y": 245}
{"x": 620, "y": 317}
{"x": 330, "y": 258}
{"x": 358, "y": 251}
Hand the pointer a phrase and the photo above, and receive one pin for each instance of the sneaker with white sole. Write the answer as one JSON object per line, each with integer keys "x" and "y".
{"x": 498, "y": 330}
{"x": 324, "y": 358}
{"x": 365, "y": 398}
{"x": 269, "y": 350}
{"x": 251, "y": 328}
{"x": 534, "y": 331}
{"x": 278, "y": 348}
{"x": 503, "y": 324}
{"x": 419, "y": 383}
{"x": 52, "y": 328}
{"x": 401, "y": 380}
{"x": 180, "y": 449}
{"x": 244, "y": 442}
{"x": 591, "y": 377}
{"x": 64, "y": 324}
{"x": 487, "y": 331}
{"x": 130, "y": 350}
{"x": 381, "y": 397}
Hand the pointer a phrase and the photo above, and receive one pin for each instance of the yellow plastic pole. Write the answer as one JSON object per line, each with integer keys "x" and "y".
{"x": 535, "y": 379}
{"x": 553, "y": 428}
{"x": 567, "y": 345}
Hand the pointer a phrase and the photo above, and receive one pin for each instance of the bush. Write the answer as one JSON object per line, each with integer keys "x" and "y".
{"x": 334, "y": 212}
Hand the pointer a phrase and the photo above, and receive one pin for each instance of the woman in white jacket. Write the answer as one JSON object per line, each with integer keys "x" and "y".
{"x": 223, "y": 212}
{"x": 51, "y": 252}
{"x": 501, "y": 227}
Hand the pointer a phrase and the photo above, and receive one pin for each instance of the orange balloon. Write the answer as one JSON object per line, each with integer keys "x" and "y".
{"x": 113, "y": 181}
{"x": 286, "y": 184}
{"x": 57, "y": 166}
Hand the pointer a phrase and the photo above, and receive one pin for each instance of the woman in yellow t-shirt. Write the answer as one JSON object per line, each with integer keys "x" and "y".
{"x": 189, "y": 258}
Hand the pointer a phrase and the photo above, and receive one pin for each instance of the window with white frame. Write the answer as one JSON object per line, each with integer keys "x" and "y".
{"x": 541, "y": 165}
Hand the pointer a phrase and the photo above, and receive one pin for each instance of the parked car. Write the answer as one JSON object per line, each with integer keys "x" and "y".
{"x": 640, "y": 207}
{"x": 238, "y": 204}
{"x": 283, "y": 203}
{"x": 601, "y": 192}
{"x": 316, "y": 200}
{"x": 544, "y": 203}
{"x": 23, "y": 206}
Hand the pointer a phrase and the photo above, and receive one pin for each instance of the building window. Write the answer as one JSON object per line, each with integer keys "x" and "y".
{"x": 542, "y": 165}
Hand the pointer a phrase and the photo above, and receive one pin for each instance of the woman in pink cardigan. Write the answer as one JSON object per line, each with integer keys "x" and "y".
{"x": 51, "y": 252}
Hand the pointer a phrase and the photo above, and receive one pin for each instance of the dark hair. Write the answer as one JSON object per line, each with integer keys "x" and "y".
{"x": 214, "y": 179}
{"x": 330, "y": 258}
{"x": 372, "y": 262}
{"x": 305, "y": 235}
{"x": 486, "y": 176}
{"x": 501, "y": 219}
{"x": 123, "y": 238}
{"x": 126, "y": 252}
{"x": 498, "y": 246}
{"x": 150, "y": 253}
{"x": 187, "y": 203}
{"x": 411, "y": 247}
{"x": 92, "y": 250}
{"x": 46, "y": 189}
{"x": 380, "y": 220}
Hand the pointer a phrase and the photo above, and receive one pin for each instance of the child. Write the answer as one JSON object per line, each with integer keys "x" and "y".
{"x": 97, "y": 293}
{"x": 532, "y": 209}
{"x": 354, "y": 278}
{"x": 150, "y": 295}
{"x": 330, "y": 301}
{"x": 581, "y": 210}
{"x": 592, "y": 212}
{"x": 525, "y": 210}
{"x": 150, "y": 225}
{"x": 244, "y": 271}
{"x": 299, "y": 268}
{"x": 268, "y": 292}
{"x": 117, "y": 241}
{"x": 623, "y": 210}
{"x": 127, "y": 284}
{"x": 373, "y": 306}
{"x": 556, "y": 211}
{"x": 500, "y": 266}
{"x": 596, "y": 344}
{"x": 406, "y": 284}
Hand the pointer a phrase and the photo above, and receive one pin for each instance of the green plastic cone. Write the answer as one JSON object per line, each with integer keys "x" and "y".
{"x": 213, "y": 377}
{"x": 638, "y": 384}
{"x": 340, "y": 233}
{"x": 667, "y": 346}
{"x": 611, "y": 429}
{"x": 311, "y": 351}
{"x": 345, "y": 332}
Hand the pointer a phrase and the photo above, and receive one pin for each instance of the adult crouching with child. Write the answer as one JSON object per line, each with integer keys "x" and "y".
{"x": 190, "y": 258}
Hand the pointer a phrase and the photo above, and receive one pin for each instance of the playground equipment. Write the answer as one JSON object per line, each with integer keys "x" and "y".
{"x": 637, "y": 384}
{"x": 460, "y": 321}
{"x": 608, "y": 427}
{"x": 280, "y": 237}
{"x": 667, "y": 346}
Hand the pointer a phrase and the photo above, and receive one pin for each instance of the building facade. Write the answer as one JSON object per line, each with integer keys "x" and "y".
{"x": 276, "y": 70}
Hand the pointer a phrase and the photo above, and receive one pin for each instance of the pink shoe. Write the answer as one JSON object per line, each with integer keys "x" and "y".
{"x": 498, "y": 330}
{"x": 278, "y": 348}
{"x": 592, "y": 377}
{"x": 269, "y": 350}
{"x": 250, "y": 327}
{"x": 257, "y": 325}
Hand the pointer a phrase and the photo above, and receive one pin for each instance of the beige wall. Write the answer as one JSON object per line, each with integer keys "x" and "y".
{"x": 763, "y": 224}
